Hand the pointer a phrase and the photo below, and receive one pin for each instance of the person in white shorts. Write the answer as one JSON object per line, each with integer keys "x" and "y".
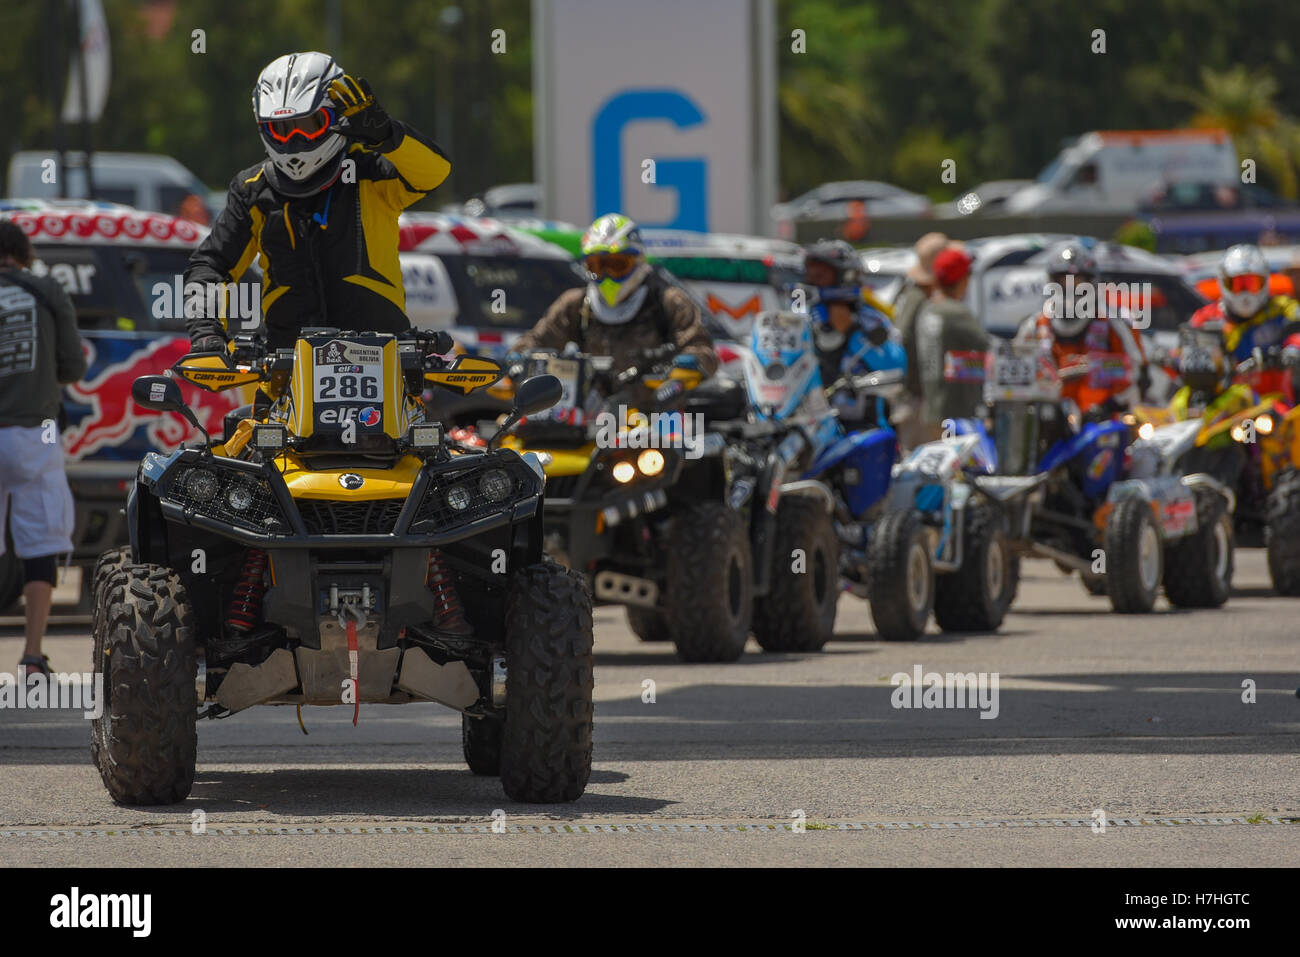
{"x": 40, "y": 352}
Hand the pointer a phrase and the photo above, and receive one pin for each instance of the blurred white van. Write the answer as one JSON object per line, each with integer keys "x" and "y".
{"x": 1111, "y": 171}
{"x": 146, "y": 181}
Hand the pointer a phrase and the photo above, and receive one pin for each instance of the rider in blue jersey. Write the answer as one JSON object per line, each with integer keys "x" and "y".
{"x": 852, "y": 336}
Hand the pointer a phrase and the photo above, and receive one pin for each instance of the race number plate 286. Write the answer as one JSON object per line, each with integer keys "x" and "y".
{"x": 348, "y": 372}
{"x": 347, "y": 383}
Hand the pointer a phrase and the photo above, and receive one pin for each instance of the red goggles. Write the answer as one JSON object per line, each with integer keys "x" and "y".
{"x": 309, "y": 127}
{"x": 1247, "y": 283}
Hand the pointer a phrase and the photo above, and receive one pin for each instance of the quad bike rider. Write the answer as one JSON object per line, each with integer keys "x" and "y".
{"x": 1207, "y": 391}
{"x": 320, "y": 212}
{"x": 652, "y": 528}
{"x": 805, "y": 372}
{"x": 1101, "y": 363}
{"x": 1261, "y": 334}
{"x": 862, "y": 359}
{"x": 326, "y": 242}
{"x": 1250, "y": 320}
{"x": 1102, "y": 366}
{"x": 853, "y": 337}
{"x": 330, "y": 547}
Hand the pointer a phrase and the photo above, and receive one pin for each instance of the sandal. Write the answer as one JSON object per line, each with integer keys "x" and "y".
{"x": 35, "y": 664}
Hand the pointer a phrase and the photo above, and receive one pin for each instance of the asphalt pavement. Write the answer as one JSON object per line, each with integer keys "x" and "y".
{"x": 1166, "y": 739}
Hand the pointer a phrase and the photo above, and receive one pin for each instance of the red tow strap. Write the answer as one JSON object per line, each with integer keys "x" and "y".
{"x": 352, "y": 668}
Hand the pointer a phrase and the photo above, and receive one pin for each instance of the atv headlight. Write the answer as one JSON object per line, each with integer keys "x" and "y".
{"x": 424, "y": 436}
{"x": 1146, "y": 430}
{"x": 202, "y": 485}
{"x": 650, "y": 462}
{"x": 240, "y": 496}
{"x": 495, "y": 485}
{"x": 458, "y": 497}
{"x": 1238, "y": 433}
{"x": 1264, "y": 424}
{"x": 623, "y": 472}
{"x": 270, "y": 438}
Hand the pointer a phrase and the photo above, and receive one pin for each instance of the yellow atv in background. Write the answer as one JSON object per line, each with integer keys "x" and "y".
{"x": 636, "y": 497}
{"x": 332, "y": 549}
{"x": 1252, "y": 445}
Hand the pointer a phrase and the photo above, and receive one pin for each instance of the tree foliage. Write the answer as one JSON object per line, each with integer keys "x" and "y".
{"x": 883, "y": 90}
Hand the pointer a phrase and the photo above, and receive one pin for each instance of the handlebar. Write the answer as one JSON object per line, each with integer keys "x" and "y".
{"x": 884, "y": 382}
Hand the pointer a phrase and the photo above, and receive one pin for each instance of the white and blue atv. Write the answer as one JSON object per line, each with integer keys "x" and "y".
{"x": 824, "y": 516}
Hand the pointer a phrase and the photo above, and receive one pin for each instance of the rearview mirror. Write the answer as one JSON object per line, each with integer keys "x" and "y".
{"x": 533, "y": 395}
{"x": 158, "y": 392}
{"x": 538, "y": 394}
{"x": 162, "y": 393}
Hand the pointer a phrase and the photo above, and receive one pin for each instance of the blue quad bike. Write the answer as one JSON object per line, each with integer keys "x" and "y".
{"x": 811, "y": 490}
{"x": 1080, "y": 493}
{"x": 942, "y": 543}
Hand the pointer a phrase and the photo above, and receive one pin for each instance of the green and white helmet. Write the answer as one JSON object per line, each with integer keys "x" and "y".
{"x": 614, "y": 255}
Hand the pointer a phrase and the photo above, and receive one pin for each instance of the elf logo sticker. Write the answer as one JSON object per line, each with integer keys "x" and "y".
{"x": 369, "y": 416}
{"x": 1099, "y": 464}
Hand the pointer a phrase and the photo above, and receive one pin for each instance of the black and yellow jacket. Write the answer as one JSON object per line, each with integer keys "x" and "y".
{"x": 329, "y": 259}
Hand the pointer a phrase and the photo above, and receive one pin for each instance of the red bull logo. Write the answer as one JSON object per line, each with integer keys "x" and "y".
{"x": 114, "y": 416}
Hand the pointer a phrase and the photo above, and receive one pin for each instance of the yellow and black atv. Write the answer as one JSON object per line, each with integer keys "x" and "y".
{"x": 1249, "y": 442}
{"x": 636, "y": 498}
{"x": 332, "y": 549}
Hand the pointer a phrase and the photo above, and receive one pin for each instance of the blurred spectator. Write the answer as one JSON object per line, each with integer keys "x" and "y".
{"x": 950, "y": 346}
{"x": 916, "y": 290}
{"x": 42, "y": 351}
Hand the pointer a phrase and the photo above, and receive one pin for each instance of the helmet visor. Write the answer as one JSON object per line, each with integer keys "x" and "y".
{"x": 612, "y": 265}
{"x": 1249, "y": 282}
{"x": 309, "y": 127}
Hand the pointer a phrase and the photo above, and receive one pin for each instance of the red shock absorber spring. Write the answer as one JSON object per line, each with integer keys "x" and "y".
{"x": 246, "y": 603}
{"x": 448, "y": 612}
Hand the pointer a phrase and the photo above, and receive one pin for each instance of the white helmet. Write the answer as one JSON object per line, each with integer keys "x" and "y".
{"x": 294, "y": 113}
{"x": 614, "y": 256}
{"x": 1244, "y": 297}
